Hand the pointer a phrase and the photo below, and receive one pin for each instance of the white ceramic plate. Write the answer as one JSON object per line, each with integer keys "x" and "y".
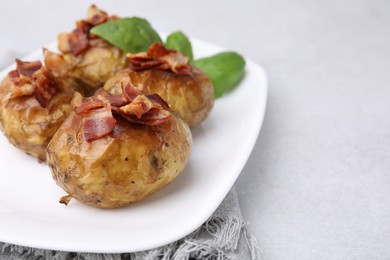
{"x": 30, "y": 214}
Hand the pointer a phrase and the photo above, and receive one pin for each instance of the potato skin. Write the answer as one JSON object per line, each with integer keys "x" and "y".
{"x": 29, "y": 126}
{"x": 125, "y": 166}
{"x": 96, "y": 65}
{"x": 191, "y": 96}
{"x": 4, "y": 92}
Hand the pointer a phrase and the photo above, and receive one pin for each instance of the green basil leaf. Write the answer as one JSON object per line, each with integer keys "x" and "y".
{"x": 129, "y": 34}
{"x": 179, "y": 41}
{"x": 225, "y": 70}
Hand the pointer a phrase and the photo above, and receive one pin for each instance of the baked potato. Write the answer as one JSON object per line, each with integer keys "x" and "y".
{"x": 33, "y": 104}
{"x": 106, "y": 156}
{"x": 187, "y": 90}
{"x": 91, "y": 60}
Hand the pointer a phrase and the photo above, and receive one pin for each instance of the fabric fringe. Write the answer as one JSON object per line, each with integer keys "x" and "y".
{"x": 217, "y": 239}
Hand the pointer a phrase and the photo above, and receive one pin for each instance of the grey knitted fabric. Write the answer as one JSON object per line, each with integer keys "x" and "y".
{"x": 223, "y": 236}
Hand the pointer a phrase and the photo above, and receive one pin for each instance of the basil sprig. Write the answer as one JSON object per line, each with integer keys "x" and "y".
{"x": 225, "y": 70}
{"x": 129, "y": 34}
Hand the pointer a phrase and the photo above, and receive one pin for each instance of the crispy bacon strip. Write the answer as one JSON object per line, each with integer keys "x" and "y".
{"x": 117, "y": 101}
{"x": 153, "y": 117}
{"x": 30, "y": 78}
{"x": 13, "y": 74}
{"x": 129, "y": 91}
{"x": 158, "y": 50}
{"x": 27, "y": 68}
{"x": 140, "y": 64}
{"x": 143, "y": 111}
{"x": 98, "y": 123}
{"x": 98, "y": 120}
{"x": 77, "y": 41}
{"x": 139, "y": 106}
{"x": 89, "y": 105}
{"x": 158, "y": 57}
{"x": 21, "y": 85}
{"x": 44, "y": 86}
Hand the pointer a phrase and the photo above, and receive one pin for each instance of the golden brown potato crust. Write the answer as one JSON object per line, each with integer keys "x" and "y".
{"x": 191, "y": 96}
{"x": 29, "y": 126}
{"x": 96, "y": 65}
{"x": 125, "y": 166}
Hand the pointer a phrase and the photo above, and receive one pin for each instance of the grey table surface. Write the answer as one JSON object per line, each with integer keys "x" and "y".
{"x": 317, "y": 183}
